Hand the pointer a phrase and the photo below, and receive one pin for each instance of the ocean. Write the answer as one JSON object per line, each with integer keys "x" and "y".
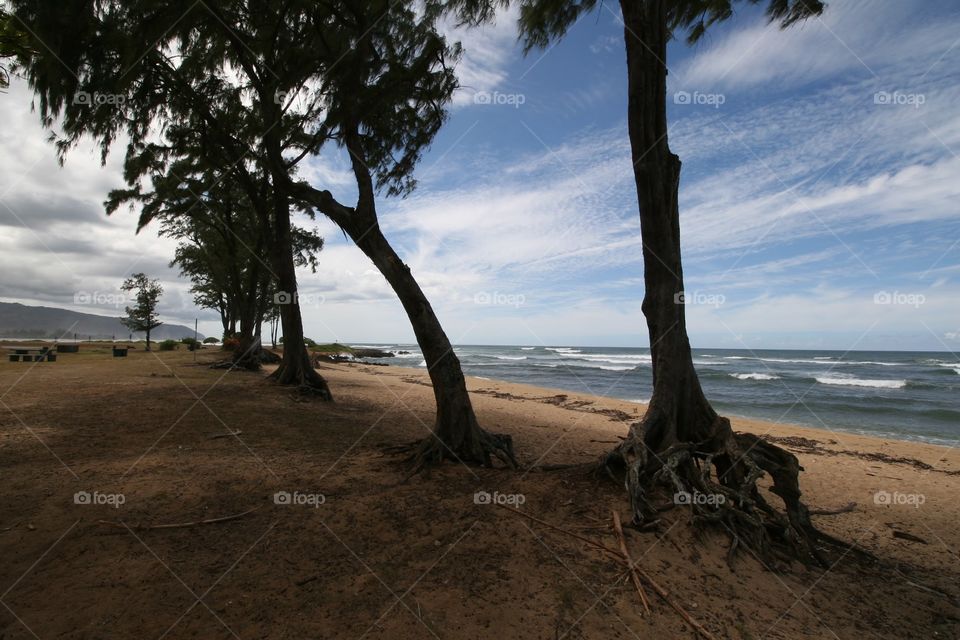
{"x": 893, "y": 394}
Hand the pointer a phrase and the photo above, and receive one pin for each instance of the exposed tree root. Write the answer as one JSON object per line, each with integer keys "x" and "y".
{"x": 717, "y": 480}
{"x": 480, "y": 448}
{"x": 307, "y": 381}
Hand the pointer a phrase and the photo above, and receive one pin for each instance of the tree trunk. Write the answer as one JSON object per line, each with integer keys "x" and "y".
{"x": 681, "y": 441}
{"x": 296, "y": 368}
{"x": 249, "y": 305}
{"x": 457, "y": 434}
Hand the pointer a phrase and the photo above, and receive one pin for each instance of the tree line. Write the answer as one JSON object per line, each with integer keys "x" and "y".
{"x": 217, "y": 106}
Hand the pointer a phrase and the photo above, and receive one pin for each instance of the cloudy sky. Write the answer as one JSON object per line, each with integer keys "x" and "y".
{"x": 820, "y": 195}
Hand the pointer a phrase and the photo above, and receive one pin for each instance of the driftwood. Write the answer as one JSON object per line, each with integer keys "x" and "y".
{"x": 225, "y": 435}
{"x": 179, "y": 525}
{"x": 663, "y": 593}
{"x": 626, "y": 556}
{"x": 903, "y": 535}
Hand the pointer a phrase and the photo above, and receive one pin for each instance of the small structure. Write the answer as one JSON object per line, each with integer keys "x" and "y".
{"x": 31, "y": 354}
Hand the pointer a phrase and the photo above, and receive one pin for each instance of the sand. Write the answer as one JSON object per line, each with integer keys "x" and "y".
{"x": 358, "y": 552}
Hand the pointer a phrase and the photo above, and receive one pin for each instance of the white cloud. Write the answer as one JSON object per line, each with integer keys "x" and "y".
{"x": 852, "y": 36}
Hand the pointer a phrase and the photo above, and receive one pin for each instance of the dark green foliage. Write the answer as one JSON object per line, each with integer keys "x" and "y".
{"x": 142, "y": 316}
{"x": 14, "y": 43}
{"x": 544, "y": 21}
{"x": 167, "y": 345}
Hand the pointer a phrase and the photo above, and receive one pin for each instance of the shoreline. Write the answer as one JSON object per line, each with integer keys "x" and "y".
{"x": 739, "y": 422}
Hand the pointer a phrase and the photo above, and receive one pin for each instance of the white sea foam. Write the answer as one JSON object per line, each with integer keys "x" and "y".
{"x": 754, "y": 376}
{"x": 527, "y": 348}
{"x": 859, "y": 382}
{"x": 819, "y": 360}
{"x": 612, "y": 358}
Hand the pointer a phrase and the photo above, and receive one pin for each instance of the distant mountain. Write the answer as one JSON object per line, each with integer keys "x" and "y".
{"x": 20, "y": 321}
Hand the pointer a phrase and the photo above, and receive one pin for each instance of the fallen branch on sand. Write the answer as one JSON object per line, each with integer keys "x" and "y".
{"x": 663, "y": 593}
{"x": 630, "y": 563}
{"x": 903, "y": 535}
{"x": 179, "y": 525}
{"x": 225, "y": 435}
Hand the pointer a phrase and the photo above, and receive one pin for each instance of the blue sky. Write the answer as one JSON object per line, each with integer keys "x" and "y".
{"x": 819, "y": 195}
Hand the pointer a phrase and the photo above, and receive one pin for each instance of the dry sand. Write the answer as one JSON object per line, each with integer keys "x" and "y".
{"x": 383, "y": 558}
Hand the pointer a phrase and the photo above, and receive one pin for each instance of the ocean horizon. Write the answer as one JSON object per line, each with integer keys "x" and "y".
{"x": 904, "y": 395}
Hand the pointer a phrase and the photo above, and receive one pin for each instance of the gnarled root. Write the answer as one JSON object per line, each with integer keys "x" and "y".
{"x": 474, "y": 446}
{"x": 717, "y": 480}
{"x": 307, "y": 381}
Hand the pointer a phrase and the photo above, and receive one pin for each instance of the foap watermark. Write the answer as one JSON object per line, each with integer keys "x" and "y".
{"x": 98, "y": 99}
{"x": 499, "y": 99}
{"x": 499, "y": 299}
{"x": 508, "y": 499}
{"x": 899, "y": 98}
{"x": 299, "y": 499}
{"x": 301, "y": 299}
{"x": 886, "y": 498}
{"x": 97, "y": 498}
{"x": 699, "y": 297}
{"x": 699, "y": 99}
{"x": 709, "y": 499}
{"x": 99, "y": 298}
{"x": 899, "y": 298}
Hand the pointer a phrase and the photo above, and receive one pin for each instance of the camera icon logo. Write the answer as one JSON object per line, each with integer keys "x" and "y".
{"x": 82, "y": 497}
{"x": 882, "y": 497}
{"x": 482, "y": 497}
{"x": 680, "y": 297}
{"x": 681, "y": 97}
{"x": 83, "y": 98}
{"x": 284, "y": 297}
{"x": 282, "y": 497}
{"x": 482, "y": 97}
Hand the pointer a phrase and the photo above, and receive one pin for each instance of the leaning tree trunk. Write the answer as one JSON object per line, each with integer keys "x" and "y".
{"x": 457, "y": 435}
{"x": 295, "y": 368}
{"x": 681, "y": 443}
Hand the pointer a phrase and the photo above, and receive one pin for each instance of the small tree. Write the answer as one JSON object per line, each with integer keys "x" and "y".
{"x": 143, "y": 316}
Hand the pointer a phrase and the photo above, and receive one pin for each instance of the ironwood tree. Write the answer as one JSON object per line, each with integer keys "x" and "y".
{"x": 142, "y": 317}
{"x": 143, "y": 71}
{"x": 681, "y": 441}
{"x": 223, "y": 241}
{"x": 264, "y": 86}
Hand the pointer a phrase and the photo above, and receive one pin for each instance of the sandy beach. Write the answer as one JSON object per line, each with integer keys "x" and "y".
{"x": 378, "y": 556}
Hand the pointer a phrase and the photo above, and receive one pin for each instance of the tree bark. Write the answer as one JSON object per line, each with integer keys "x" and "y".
{"x": 681, "y": 442}
{"x": 295, "y": 368}
{"x": 457, "y": 434}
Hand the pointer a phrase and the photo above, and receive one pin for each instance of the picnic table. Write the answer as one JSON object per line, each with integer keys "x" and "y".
{"x": 31, "y": 354}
